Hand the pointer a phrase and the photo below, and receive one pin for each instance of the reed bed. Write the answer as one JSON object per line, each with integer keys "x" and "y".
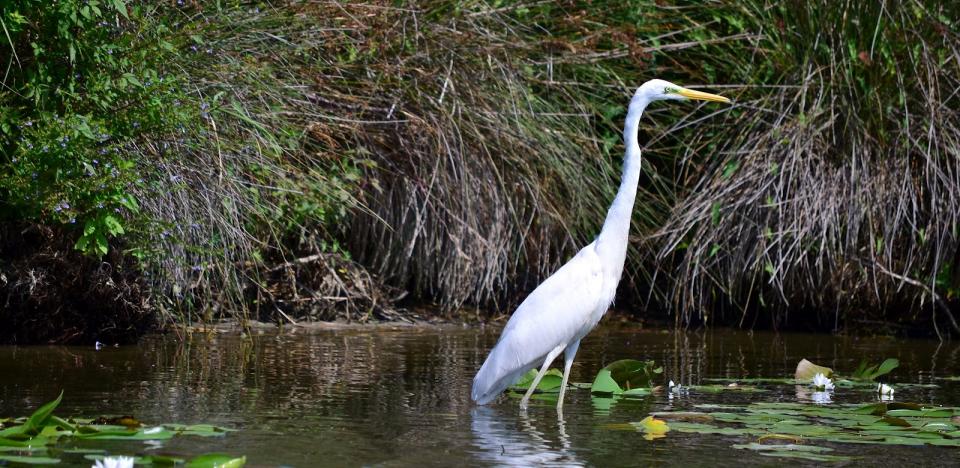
{"x": 346, "y": 159}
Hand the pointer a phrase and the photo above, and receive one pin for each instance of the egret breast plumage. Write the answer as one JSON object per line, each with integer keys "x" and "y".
{"x": 567, "y": 305}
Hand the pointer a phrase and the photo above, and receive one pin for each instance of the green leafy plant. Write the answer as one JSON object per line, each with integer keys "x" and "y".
{"x": 86, "y": 82}
{"x": 27, "y": 440}
{"x": 551, "y": 381}
{"x": 870, "y": 373}
{"x": 626, "y": 377}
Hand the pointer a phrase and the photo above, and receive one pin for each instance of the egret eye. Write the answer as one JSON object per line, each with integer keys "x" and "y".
{"x": 669, "y": 90}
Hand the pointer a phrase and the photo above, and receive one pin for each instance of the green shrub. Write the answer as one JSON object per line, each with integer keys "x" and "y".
{"x": 85, "y": 81}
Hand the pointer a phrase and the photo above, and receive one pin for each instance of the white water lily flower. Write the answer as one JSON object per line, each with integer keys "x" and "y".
{"x": 885, "y": 389}
{"x": 154, "y": 430}
{"x": 114, "y": 462}
{"x": 821, "y": 382}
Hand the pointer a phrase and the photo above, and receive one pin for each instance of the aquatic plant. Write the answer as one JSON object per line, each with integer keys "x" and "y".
{"x": 822, "y": 383}
{"x": 32, "y": 439}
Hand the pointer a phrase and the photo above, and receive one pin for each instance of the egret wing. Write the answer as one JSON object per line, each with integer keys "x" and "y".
{"x": 555, "y": 314}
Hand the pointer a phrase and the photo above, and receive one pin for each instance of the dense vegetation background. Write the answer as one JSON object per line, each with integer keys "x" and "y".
{"x": 171, "y": 162}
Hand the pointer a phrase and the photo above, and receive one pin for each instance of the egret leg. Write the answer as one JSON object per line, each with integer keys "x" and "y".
{"x": 543, "y": 370}
{"x": 568, "y": 362}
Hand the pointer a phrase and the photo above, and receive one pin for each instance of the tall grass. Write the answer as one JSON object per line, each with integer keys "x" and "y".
{"x": 836, "y": 184}
{"x": 478, "y": 146}
{"x": 338, "y": 157}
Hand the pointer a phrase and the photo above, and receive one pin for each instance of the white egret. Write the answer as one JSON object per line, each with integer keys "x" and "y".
{"x": 565, "y": 307}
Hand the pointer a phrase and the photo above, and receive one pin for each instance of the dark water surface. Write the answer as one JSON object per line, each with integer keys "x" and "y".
{"x": 400, "y": 397}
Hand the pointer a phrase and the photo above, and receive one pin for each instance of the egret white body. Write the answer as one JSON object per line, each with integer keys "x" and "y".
{"x": 568, "y": 304}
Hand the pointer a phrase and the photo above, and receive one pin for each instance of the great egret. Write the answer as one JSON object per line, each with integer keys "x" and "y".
{"x": 565, "y": 307}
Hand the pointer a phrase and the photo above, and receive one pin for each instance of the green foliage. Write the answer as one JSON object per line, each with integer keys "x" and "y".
{"x": 551, "y": 381}
{"x": 870, "y": 373}
{"x": 626, "y": 377}
{"x": 30, "y": 437}
{"x": 86, "y": 81}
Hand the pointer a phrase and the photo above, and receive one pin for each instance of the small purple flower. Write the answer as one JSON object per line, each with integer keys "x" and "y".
{"x": 95, "y": 162}
{"x": 73, "y": 220}
{"x": 196, "y": 268}
{"x": 100, "y": 205}
{"x": 193, "y": 48}
{"x": 102, "y": 151}
{"x": 28, "y": 123}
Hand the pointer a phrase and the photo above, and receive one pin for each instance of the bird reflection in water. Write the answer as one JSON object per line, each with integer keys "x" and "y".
{"x": 516, "y": 439}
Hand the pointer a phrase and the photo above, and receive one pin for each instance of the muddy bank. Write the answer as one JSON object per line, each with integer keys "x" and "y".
{"x": 52, "y": 293}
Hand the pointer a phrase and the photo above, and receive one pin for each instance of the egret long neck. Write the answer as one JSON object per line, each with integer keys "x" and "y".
{"x": 611, "y": 244}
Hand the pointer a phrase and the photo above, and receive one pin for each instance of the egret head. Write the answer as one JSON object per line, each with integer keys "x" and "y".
{"x": 656, "y": 90}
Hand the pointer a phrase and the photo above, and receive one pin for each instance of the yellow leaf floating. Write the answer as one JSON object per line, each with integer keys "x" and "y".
{"x": 653, "y": 428}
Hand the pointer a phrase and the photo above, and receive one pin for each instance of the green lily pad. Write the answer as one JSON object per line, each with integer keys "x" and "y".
{"x": 625, "y": 375}
{"x": 551, "y": 381}
{"x": 217, "y": 460}
{"x": 689, "y": 416}
{"x": 782, "y": 447}
{"x": 29, "y": 460}
{"x": 822, "y": 457}
{"x": 923, "y": 413}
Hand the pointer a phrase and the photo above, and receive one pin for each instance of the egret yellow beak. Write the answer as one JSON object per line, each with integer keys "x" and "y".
{"x": 701, "y": 96}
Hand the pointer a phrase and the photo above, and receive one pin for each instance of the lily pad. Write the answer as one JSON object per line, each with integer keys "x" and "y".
{"x": 652, "y": 427}
{"x": 551, "y": 381}
{"x": 689, "y": 416}
{"x": 29, "y": 460}
{"x": 217, "y": 460}
{"x": 625, "y": 375}
{"x": 782, "y": 447}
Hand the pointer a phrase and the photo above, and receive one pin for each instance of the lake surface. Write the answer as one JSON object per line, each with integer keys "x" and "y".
{"x": 400, "y": 397}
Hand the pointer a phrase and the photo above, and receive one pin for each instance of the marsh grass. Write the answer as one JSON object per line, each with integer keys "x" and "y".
{"x": 835, "y": 186}
{"x": 343, "y": 156}
{"x": 462, "y": 151}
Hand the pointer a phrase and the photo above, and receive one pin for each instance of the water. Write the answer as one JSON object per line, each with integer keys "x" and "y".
{"x": 400, "y": 396}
